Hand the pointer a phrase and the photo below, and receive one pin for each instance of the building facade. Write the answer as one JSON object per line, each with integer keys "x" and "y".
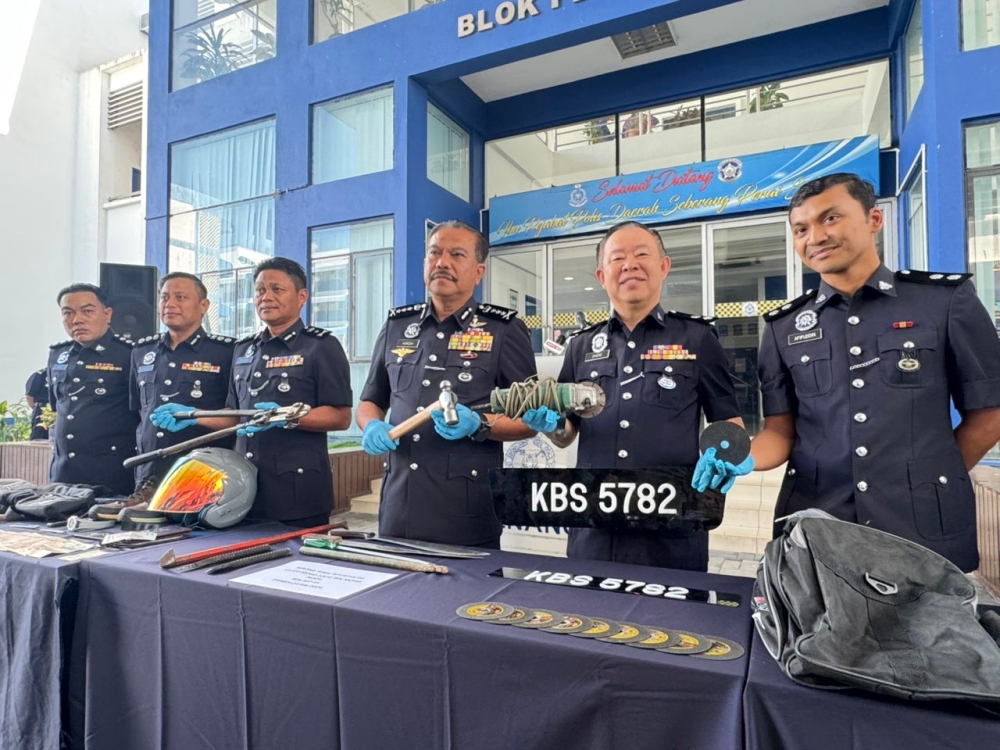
{"x": 334, "y": 132}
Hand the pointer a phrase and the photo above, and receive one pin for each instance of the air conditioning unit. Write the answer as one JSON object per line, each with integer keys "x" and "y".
{"x": 144, "y": 23}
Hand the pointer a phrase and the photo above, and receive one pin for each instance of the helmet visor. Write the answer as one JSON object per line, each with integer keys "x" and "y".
{"x": 189, "y": 487}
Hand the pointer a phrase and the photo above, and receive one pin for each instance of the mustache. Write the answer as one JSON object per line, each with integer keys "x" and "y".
{"x": 443, "y": 275}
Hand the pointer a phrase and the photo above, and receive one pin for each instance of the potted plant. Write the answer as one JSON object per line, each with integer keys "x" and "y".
{"x": 210, "y": 55}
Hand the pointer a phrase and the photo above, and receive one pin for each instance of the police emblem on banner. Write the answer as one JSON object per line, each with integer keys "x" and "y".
{"x": 412, "y": 331}
{"x": 599, "y": 343}
{"x": 578, "y": 198}
{"x": 806, "y": 320}
{"x": 730, "y": 170}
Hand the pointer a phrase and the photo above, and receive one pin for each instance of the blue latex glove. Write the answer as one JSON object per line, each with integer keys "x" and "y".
{"x": 376, "y": 440}
{"x": 542, "y": 419}
{"x": 253, "y": 429}
{"x": 163, "y": 417}
{"x": 713, "y": 473}
{"x": 468, "y": 423}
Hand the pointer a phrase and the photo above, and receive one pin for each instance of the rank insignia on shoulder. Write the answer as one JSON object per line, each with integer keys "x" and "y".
{"x": 498, "y": 313}
{"x": 932, "y": 277}
{"x": 790, "y": 306}
{"x": 221, "y": 339}
{"x": 126, "y": 341}
{"x": 317, "y": 332}
{"x": 399, "y": 312}
{"x": 59, "y": 344}
{"x": 686, "y": 316}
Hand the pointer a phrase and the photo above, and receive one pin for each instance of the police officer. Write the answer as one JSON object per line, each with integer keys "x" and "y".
{"x": 436, "y": 485}
{"x": 88, "y": 388}
{"x": 185, "y": 364}
{"x": 858, "y": 375}
{"x": 284, "y": 364}
{"x": 36, "y": 393}
{"x": 659, "y": 372}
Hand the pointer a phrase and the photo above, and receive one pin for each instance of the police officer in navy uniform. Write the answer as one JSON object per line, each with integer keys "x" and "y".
{"x": 36, "y": 394}
{"x": 185, "y": 365}
{"x": 858, "y": 377}
{"x": 284, "y": 364}
{"x": 659, "y": 371}
{"x": 88, "y": 388}
{"x": 436, "y": 485}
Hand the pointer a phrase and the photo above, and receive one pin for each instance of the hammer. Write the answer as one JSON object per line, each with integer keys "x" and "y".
{"x": 446, "y": 402}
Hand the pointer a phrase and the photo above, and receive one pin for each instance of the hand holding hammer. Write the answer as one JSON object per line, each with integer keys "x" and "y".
{"x": 379, "y": 438}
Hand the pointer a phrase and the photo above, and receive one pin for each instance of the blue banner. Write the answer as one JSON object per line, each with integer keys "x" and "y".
{"x": 715, "y": 188}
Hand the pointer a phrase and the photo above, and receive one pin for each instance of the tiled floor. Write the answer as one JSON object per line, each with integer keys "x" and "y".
{"x": 726, "y": 563}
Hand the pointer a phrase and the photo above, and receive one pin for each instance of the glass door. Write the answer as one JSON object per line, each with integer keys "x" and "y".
{"x": 751, "y": 265}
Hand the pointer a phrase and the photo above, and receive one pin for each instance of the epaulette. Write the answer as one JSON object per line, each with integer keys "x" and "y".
{"x": 402, "y": 312}
{"x": 317, "y": 332}
{"x": 591, "y": 327}
{"x": 221, "y": 339}
{"x": 61, "y": 344}
{"x": 931, "y": 277}
{"x": 789, "y": 306}
{"x": 121, "y": 339}
{"x": 147, "y": 340}
{"x": 696, "y": 318}
{"x": 247, "y": 339}
{"x": 497, "y": 313}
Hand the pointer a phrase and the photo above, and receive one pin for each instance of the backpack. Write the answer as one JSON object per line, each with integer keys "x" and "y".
{"x": 841, "y": 605}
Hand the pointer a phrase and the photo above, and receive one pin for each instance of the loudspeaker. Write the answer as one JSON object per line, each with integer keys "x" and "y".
{"x": 132, "y": 291}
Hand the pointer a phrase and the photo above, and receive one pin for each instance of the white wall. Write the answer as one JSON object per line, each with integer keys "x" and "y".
{"x": 38, "y": 173}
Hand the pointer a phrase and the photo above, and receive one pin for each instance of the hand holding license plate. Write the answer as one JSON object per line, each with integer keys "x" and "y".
{"x": 621, "y": 499}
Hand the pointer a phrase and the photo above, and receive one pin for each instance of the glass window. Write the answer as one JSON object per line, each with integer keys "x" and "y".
{"x": 914, "y": 204}
{"x": 671, "y": 135}
{"x": 235, "y": 35}
{"x": 447, "y": 153}
{"x": 352, "y": 136}
{"x": 980, "y": 24}
{"x": 335, "y": 17}
{"x": 222, "y": 217}
{"x": 351, "y": 276}
{"x": 914, "y": 50}
{"x": 516, "y": 281}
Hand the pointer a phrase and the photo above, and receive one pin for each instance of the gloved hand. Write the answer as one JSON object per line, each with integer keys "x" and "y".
{"x": 712, "y": 472}
{"x": 253, "y": 429}
{"x": 542, "y": 419}
{"x": 376, "y": 440}
{"x": 468, "y": 423}
{"x": 163, "y": 417}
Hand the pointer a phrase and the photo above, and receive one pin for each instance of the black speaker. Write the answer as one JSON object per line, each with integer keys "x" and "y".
{"x": 132, "y": 291}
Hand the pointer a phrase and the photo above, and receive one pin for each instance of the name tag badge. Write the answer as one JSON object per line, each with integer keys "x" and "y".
{"x": 146, "y": 368}
{"x": 244, "y": 360}
{"x": 801, "y": 338}
{"x": 592, "y": 356}
{"x": 60, "y": 367}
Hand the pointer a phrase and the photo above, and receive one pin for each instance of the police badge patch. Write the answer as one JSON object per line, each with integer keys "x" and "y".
{"x": 806, "y": 320}
{"x": 149, "y": 358}
{"x": 599, "y": 343}
{"x": 63, "y": 358}
{"x": 412, "y": 331}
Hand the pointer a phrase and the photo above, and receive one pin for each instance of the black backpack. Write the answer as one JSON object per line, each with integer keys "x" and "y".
{"x": 840, "y": 605}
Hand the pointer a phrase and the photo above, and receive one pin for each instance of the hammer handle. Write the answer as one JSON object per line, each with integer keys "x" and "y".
{"x": 412, "y": 423}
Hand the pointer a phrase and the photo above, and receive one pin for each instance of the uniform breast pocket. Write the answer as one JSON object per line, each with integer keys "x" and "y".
{"x": 103, "y": 382}
{"x": 943, "y": 502}
{"x": 811, "y": 368}
{"x": 471, "y": 379}
{"x": 400, "y": 375}
{"x": 908, "y": 357}
{"x": 669, "y": 384}
{"x": 290, "y": 385}
{"x": 603, "y": 373}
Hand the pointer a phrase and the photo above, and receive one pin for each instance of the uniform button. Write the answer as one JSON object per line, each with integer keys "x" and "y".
{"x": 80, "y": 362}
{"x": 74, "y": 398}
{"x": 622, "y": 454}
{"x": 300, "y": 470}
{"x": 100, "y": 380}
{"x": 167, "y": 382}
{"x": 626, "y": 397}
{"x": 70, "y": 416}
{"x": 249, "y": 455}
{"x": 266, "y": 357}
{"x": 860, "y": 417}
{"x": 854, "y": 320}
{"x": 440, "y": 335}
{"x": 791, "y": 472}
{"x": 624, "y": 424}
{"x": 69, "y": 437}
{"x": 631, "y": 345}
{"x": 628, "y": 369}
{"x": 943, "y": 480}
{"x": 420, "y": 408}
{"x": 416, "y": 438}
{"x": 466, "y": 364}
{"x": 398, "y": 360}
{"x": 425, "y": 383}
{"x": 805, "y": 358}
{"x": 172, "y": 364}
{"x": 72, "y": 455}
{"x": 855, "y": 350}
{"x": 414, "y": 466}
{"x": 159, "y": 434}
{"x": 164, "y": 398}
{"x": 593, "y": 373}
{"x": 114, "y": 447}
{"x": 256, "y": 375}
{"x": 76, "y": 380}
{"x": 433, "y": 358}
{"x": 861, "y": 451}
{"x": 385, "y": 464}
{"x": 862, "y": 486}
{"x": 668, "y": 368}
{"x": 858, "y": 383}
{"x": 908, "y": 345}
{"x": 474, "y": 473}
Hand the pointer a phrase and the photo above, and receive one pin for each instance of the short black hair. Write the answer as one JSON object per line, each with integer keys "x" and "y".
{"x": 628, "y": 225}
{"x": 198, "y": 283}
{"x": 285, "y": 265}
{"x": 482, "y": 244}
{"x": 80, "y": 286}
{"x": 861, "y": 190}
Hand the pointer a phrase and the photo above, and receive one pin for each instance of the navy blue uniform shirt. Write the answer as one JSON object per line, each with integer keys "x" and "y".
{"x": 38, "y": 388}
{"x": 95, "y": 427}
{"x": 434, "y": 489}
{"x": 306, "y": 365}
{"x": 651, "y": 418}
{"x": 195, "y": 374}
{"x": 870, "y": 380}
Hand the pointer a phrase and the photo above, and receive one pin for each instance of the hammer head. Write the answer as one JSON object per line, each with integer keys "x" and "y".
{"x": 448, "y": 403}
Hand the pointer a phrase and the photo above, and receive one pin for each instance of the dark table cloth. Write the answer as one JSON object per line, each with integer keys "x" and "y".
{"x": 782, "y": 715}
{"x": 38, "y": 604}
{"x": 413, "y": 674}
